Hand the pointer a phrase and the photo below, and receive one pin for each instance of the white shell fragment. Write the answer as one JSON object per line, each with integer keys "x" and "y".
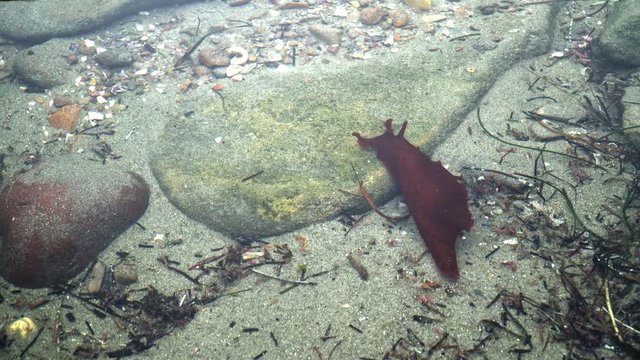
{"x": 251, "y": 255}
{"x": 89, "y": 43}
{"x": 95, "y": 115}
{"x": 239, "y": 54}
{"x": 234, "y": 69}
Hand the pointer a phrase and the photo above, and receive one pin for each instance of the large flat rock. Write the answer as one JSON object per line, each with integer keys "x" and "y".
{"x": 41, "y": 20}
{"x": 295, "y": 127}
{"x": 44, "y": 65}
{"x": 619, "y": 43}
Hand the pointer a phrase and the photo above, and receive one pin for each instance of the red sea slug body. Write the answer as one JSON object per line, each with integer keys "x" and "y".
{"x": 437, "y": 200}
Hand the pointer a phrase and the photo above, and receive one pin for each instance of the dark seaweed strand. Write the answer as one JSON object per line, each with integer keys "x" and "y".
{"x": 533, "y": 147}
{"x": 252, "y": 175}
{"x": 568, "y": 201}
{"x": 617, "y": 131}
{"x": 599, "y": 9}
{"x": 24, "y": 351}
{"x": 193, "y": 48}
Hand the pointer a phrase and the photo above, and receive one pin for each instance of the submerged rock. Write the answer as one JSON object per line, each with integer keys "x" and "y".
{"x": 58, "y": 216}
{"x": 44, "y": 65}
{"x": 293, "y": 129}
{"x": 38, "y": 21}
{"x": 619, "y": 44}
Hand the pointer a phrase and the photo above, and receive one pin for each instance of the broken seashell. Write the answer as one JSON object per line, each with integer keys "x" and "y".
{"x": 233, "y": 70}
{"x": 239, "y": 54}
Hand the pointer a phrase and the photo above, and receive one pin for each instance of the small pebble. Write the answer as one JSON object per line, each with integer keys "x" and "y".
{"x": 487, "y": 10}
{"x": 419, "y": 4}
{"x": 114, "y": 58}
{"x": 118, "y": 107}
{"x": 399, "y": 18}
{"x": 219, "y": 72}
{"x": 126, "y": 273}
{"x": 327, "y": 34}
{"x": 96, "y": 278}
{"x": 87, "y": 47}
{"x": 213, "y": 58}
{"x": 371, "y": 15}
{"x": 238, "y": 2}
{"x": 60, "y": 100}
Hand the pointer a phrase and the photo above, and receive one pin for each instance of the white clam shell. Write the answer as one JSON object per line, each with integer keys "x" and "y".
{"x": 239, "y": 54}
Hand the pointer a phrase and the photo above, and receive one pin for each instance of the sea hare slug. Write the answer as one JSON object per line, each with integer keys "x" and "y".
{"x": 437, "y": 200}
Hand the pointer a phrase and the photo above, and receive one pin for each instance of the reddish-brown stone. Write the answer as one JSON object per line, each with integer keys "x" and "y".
{"x": 57, "y": 217}
{"x": 66, "y": 118}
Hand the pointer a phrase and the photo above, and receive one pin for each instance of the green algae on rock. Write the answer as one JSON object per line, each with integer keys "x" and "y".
{"x": 295, "y": 126}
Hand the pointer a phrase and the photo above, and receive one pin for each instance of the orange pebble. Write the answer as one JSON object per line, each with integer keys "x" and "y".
{"x": 65, "y": 118}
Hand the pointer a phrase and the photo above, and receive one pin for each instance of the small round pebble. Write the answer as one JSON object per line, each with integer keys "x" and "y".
{"x": 115, "y": 58}
{"x": 213, "y": 58}
{"x": 126, "y": 273}
{"x": 87, "y": 47}
{"x": 399, "y": 18}
{"x": 371, "y": 15}
{"x": 419, "y": 4}
{"x": 96, "y": 278}
{"x": 60, "y": 100}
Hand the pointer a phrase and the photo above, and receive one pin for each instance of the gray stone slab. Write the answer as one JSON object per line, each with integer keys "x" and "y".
{"x": 41, "y": 20}
{"x": 619, "y": 43}
{"x": 44, "y": 65}
{"x": 295, "y": 127}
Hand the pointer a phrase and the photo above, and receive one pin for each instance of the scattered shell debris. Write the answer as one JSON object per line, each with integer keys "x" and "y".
{"x": 274, "y": 35}
{"x": 239, "y": 55}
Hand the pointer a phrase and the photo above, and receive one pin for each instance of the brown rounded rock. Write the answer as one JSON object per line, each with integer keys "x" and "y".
{"x": 399, "y": 18}
{"x": 371, "y": 15}
{"x": 57, "y": 217}
{"x": 213, "y": 58}
{"x": 115, "y": 58}
{"x": 126, "y": 273}
{"x": 60, "y": 100}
